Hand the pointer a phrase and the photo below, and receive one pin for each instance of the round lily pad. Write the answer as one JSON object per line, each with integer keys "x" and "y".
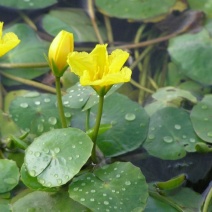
{"x": 27, "y": 4}
{"x": 114, "y": 187}
{"x": 201, "y": 117}
{"x": 138, "y": 10}
{"x": 56, "y": 156}
{"x": 170, "y": 134}
{"x": 9, "y": 175}
{"x": 37, "y": 112}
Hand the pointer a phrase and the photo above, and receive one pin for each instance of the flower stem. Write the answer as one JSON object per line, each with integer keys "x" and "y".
{"x": 59, "y": 102}
{"x": 96, "y": 127}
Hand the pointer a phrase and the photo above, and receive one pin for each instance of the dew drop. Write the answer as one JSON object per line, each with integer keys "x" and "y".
{"x": 106, "y": 203}
{"x": 57, "y": 150}
{"x": 123, "y": 189}
{"x": 177, "y": 126}
{"x": 104, "y": 195}
{"x": 127, "y": 183}
{"x": 30, "y": 152}
{"x": 152, "y": 128}
{"x": 192, "y": 140}
{"x": 67, "y": 177}
{"x": 52, "y": 120}
{"x": 65, "y": 102}
{"x": 70, "y": 158}
{"x": 47, "y": 100}
{"x": 130, "y": 116}
{"x": 33, "y": 93}
{"x": 168, "y": 139}
{"x": 49, "y": 184}
{"x": 32, "y": 173}
{"x": 93, "y": 191}
{"x": 76, "y": 189}
{"x": 81, "y": 99}
{"x": 56, "y": 175}
{"x": 92, "y": 199}
{"x": 24, "y": 105}
{"x": 82, "y": 199}
{"x": 67, "y": 114}
{"x": 118, "y": 175}
{"x": 77, "y": 156}
{"x": 45, "y": 150}
{"x": 40, "y": 127}
{"x": 209, "y": 134}
{"x": 204, "y": 107}
{"x": 37, "y": 154}
{"x": 73, "y": 146}
{"x": 184, "y": 136}
{"x": 151, "y": 136}
{"x": 80, "y": 142}
{"x": 59, "y": 181}
{"x": 42, "y": 181}
{"x": 206, "y": 119}
{"x": 37, "y": 102}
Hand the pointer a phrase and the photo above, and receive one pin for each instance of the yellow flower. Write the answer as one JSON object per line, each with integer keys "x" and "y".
{"x": 99, "y": 69}
{"x": 8, "y": 41}
{"x": 62, "y": 44}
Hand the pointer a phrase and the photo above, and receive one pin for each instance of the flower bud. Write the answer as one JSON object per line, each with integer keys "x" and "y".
{"x": 60, "y": 47}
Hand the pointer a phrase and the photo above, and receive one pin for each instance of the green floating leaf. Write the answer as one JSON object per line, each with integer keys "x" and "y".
{"x": 27, "y": 4}
{"x": 56, "y": 156}
{"x": 192, "y": 52}
{"x": 37, "y": 112}
{"x": 77, "y": 22}
{"x": 84, "y": 97}
{"x": 114, "y": 187}
{"x": 129, "y": 125}
{"x": 203, "y": 5}
{"x": 170, "y": 134}
{"x": 40, "y": 201}
{"x": 9, "y": 175}
{"x": 201, "y": 117}
{"x": 30, "y": 50}
{"x": 135, "y": 9}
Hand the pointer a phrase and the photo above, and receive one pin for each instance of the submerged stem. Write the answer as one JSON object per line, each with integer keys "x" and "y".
{"x": 59, "y": 102}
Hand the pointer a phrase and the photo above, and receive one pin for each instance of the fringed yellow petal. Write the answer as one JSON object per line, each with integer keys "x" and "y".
{"x": 80, "y": 62}
{"x": 117, "y": 59}
{"x": 8, "y": 42}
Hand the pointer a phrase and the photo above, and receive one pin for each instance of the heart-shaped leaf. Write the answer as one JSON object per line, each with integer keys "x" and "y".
{"x": 114, "y": 187}
{"x": 56, "y": 156}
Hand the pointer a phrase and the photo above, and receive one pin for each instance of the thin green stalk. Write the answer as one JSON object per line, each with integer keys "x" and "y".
{"x": 59, "y": 102}
{"x": 87, "y": 123}
{"x": 207, "y": 201}
{"x": 96, "y": 127}
{"x": 29, "y": 82}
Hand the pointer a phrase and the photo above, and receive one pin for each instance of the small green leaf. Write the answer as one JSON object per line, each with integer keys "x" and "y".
{"x": 201, "y": 117}
{"x": 170, "y": 134}
{"x": 57, "y": 156}
{"x": 114, "y": 187}
{"x": 9, "y": 175}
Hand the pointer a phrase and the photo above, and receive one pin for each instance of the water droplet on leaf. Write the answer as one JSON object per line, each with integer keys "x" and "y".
{"x": 57, "y": 150}
{"x": 37, "y": 102}
{"x": 40, "y": 128}
{"x": 52, "y": 120}
{"x": 177, "y": 126}
{"x": 24, "y": 105}
{"x": 32, "y": 173}
{"x": 168, "y": 139}
{"x": 209, "y": 134}
{"x": 127, "y": 183}
{"x": 130, "y": 116}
